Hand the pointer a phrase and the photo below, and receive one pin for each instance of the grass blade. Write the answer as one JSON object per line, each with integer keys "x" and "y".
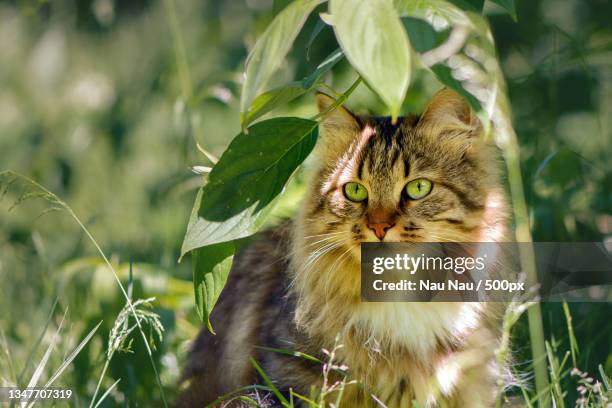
{"x": 43, "y": 362}
{"x": 310, "y": 402}
{"x": 572, "y": 337}
{"x": 269, "y": 383}
{"x": 72, "y": 355}
{"x": 106, "y": 393}
{"x": 38, "y": 341}
{"x": 68, "y": 360}
{"x": 604, "y": 378}
{"x": 290, "y": 353}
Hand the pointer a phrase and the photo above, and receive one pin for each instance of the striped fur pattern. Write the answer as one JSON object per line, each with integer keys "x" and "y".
{"x": 299, "y": 286}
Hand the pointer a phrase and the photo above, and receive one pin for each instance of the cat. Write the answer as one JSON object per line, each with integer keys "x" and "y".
{"x": 298, "y": 286}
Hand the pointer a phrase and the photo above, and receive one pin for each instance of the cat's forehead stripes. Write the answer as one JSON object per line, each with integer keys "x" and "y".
{"x": 384, "y": 148}
{"x": 385, "y": 127}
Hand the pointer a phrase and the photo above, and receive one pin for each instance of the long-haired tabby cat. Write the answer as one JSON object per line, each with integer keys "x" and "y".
{"x": 429, "y": 178}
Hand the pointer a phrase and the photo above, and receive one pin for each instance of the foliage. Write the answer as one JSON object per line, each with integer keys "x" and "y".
{"x": 272, "y": 47}
{"x": 379, "y": 51}
{"x": 102, "y": 102}
{"x": 241, "y": 188}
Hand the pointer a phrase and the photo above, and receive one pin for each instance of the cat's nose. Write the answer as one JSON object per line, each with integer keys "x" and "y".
{"x": 380, "y": 228}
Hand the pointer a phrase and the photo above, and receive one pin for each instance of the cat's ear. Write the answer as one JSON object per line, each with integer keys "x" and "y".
{"x": 337, "y": 130}
{"x": 448, "y": 111}
{"x": 339, "y": 117}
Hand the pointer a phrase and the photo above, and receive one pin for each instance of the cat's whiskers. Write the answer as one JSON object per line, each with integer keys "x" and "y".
{"x": 298, "y": 250}
{"x": 341, "y": 259}
{"x": 326, "y": 239}
{"x": 451, "y": 236}
{"x": 317, "y": 254}
{"x": 325, "y": 234}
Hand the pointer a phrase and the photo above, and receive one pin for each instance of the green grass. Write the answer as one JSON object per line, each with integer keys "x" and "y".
{"x": 114, "y": 188}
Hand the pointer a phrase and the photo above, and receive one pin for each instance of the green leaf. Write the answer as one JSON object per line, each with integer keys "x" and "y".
{"x": 267, "y": 101}
{"x": 422, "y": 35}
{"x": 509, "y": 6}
{"x": 439, "y": 13}
{"x": 442, "y": 17}
{"x": 211, "y": 266}
{"x": 373, "y": 39}
{"x": 248, "y": 177}
{"x": 327, "y": 64}
{"x": 279, "y": 5}
{"x": 272, "y": 47}
{"x": 202, "y": 231}
{"x": 280, "y": 96}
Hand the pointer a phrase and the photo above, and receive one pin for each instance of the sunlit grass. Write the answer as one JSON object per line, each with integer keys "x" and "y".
{"x": 98, "y": 106}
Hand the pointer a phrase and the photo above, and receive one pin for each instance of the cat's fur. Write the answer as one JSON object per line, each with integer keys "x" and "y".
{"x": 298, "y": 287}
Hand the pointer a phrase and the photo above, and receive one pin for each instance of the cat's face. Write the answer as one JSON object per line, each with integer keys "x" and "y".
{"x": 424, "y": 179}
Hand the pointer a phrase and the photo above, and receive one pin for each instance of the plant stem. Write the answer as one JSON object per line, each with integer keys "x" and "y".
{"x": 528, "y": 266}
{"x": 93, "y": 399}
{"x": 341, "y": 99}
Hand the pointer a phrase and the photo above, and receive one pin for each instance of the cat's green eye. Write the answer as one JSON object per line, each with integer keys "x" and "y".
{"x": 418, "y": 188}
{"x": 355, "y": 192}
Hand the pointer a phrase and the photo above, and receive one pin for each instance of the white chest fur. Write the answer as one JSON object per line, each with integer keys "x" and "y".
{"x": 419, "y": 327}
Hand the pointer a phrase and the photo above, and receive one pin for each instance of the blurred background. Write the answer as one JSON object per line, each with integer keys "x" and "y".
{"x": 103, "y": 101}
